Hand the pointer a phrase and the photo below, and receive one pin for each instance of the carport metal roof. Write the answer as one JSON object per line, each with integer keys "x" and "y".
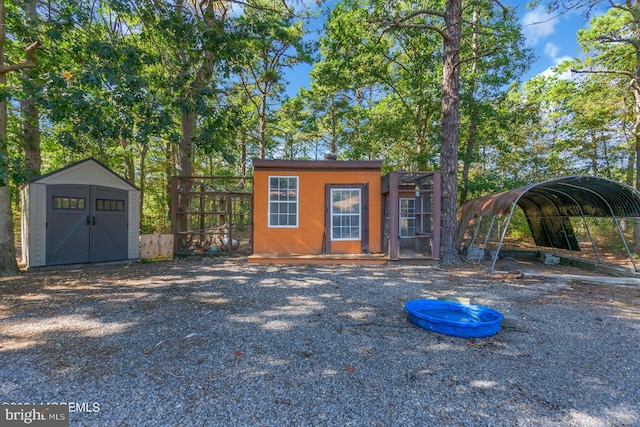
{"x": 548, "y": 205}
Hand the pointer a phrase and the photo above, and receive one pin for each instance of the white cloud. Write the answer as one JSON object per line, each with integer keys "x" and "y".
{"x": 551, "y": 50}
{"x": 561, "y": 59}
{"x": 537, "y": 25}
{"x": 565, "y": 75}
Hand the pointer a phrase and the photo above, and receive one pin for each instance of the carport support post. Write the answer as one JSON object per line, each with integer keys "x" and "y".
{"x": 624, "y": 242}
{"x": 593, "y": 243}
{"x": 475, "y": 232}
{"x": 504, "y": 233}
{"x": 553, "y": 248}
{"x": 486, "y": 238}
{"x": 566, "y": 238}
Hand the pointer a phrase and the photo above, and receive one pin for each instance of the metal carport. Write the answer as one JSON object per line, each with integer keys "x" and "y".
{"x": 548, "y": 206}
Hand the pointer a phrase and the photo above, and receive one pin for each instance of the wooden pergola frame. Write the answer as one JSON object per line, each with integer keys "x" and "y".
{"x": 426, "y": 185}
{"x": 214, "y": 198}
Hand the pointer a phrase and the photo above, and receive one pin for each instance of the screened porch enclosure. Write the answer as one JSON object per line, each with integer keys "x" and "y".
{"x": 411, "y": 203}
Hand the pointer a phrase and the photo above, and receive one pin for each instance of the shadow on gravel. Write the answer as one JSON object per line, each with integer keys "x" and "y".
{"x": 201, "y": 342}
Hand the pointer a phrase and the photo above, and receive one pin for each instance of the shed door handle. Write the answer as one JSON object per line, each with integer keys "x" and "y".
{"x": 88, "y": 220}
{"x": 94, "y": 221}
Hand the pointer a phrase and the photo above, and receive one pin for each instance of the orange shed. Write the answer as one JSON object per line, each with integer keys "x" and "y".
{"x": 305, "y": 207}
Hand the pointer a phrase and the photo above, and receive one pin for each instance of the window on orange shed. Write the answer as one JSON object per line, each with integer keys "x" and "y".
{"x": 345, "y": 214}
{"x": 283, "y": 201}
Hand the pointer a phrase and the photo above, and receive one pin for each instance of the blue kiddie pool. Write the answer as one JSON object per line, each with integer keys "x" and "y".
{"x": 451, "y": 318}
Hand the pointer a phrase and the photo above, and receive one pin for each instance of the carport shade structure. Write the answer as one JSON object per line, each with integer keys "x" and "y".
{"x": 548, "y": 206}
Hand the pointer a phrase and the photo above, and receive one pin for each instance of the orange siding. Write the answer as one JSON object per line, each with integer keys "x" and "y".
{"x": 307, "y": 238}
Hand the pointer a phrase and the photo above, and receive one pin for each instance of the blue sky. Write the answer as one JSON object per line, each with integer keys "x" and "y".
{"x": 553, "y": 38}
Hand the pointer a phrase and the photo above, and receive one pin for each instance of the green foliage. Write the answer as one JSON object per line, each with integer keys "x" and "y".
{"x": 582, "y": 125}
{"x": 375, "y": 92}
{"x": 114, "y": 81}
{"x": 373, "y": 95}
{"x": 273, "y": 43}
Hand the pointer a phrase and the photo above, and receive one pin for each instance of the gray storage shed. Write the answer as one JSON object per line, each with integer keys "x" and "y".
{"x": 81, "y": 213}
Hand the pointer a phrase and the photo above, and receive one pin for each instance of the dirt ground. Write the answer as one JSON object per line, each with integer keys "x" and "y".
{"x": 30, "y": 288}
{"x": 203, "y": 341}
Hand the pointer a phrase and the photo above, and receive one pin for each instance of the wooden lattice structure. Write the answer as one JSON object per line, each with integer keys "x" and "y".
{"x": 411, "y": 203}
{"x": 212, "y": 215}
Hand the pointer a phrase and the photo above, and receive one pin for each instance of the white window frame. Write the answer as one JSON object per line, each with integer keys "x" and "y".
{"x": 333, "y": 215}
{"x": 295, "y": 201}
{"x": 406, "y": 216}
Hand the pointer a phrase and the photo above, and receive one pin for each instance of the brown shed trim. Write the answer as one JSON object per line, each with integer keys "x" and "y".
{"x": 266, "y": 165}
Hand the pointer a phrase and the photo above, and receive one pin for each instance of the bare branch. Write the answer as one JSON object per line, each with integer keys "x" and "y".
{"x": 402, "y": 22}
{"x": 503, "y": 7}
{"x": 31, "y": 61}
{"x": 423, "y": 12}
{"x": 608, "y": 39}
{"x": 618, "y": 72}
{"x": 627, "y": 8}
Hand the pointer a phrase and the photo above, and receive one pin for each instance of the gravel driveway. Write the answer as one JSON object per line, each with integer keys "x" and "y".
{"x": 205, "y": 342}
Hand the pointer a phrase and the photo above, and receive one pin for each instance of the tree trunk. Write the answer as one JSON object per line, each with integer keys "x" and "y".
{"x": 29, "y": 110}
{"x": 243, "y": 154}
{"x": 473, "y": 126}
{"x": 629, "y": 169}
{"x": 333, "y": 142}
{"x": 190, "y": 116}
{"x": 635, "y": 85}
{"x": 189, "y": 119}
{"x": 594, "y": 153}
{"x": 168, "y": 172}
{"x": 187, "y": 133}
{"x": 31, "y": 134}
{"x": 8, "y": 264}
{"x": 450, "y": 132}
{"x": 262, "y": 127}
{"x": 129, "y": 167}
{"x": 188, "y": 130}
{"x": 143, "y": 178}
